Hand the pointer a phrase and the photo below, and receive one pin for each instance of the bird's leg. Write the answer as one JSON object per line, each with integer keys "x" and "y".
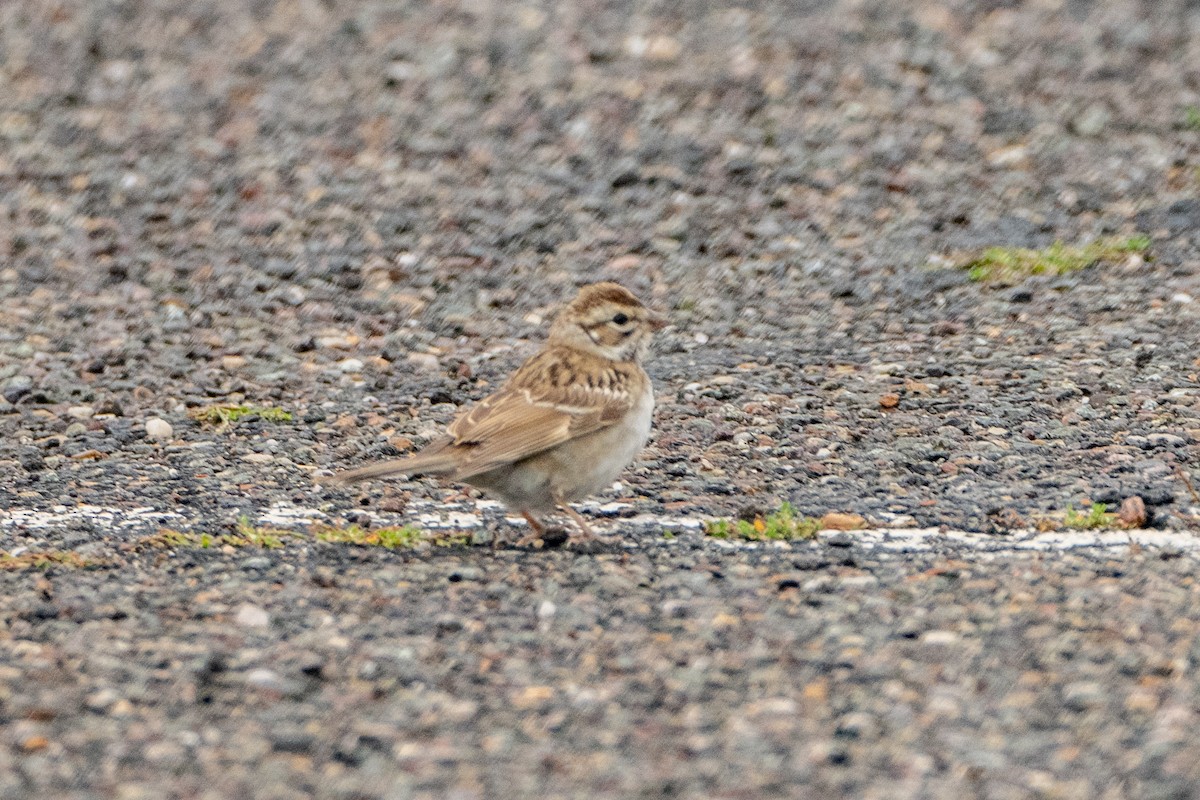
{"x": 588, "y": 534}
{"x": 535, "y": 530}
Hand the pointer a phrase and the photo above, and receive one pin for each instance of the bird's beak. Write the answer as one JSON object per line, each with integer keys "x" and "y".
{"x": 657, "y": 321}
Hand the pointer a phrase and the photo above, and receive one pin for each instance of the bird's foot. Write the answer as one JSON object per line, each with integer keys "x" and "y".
{"x": 548, "y": 537}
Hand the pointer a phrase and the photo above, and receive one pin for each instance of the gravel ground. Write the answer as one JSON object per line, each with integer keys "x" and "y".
{"x": 364, "y": 213}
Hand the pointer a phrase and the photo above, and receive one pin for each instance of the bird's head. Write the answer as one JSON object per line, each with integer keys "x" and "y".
{"x": 608, "y": 320}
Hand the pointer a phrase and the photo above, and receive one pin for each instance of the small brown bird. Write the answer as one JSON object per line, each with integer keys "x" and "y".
{"x": 564, "y": 425}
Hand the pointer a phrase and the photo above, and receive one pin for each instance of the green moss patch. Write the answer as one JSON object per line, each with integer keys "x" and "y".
{"x": 1010, "y": 265}
{"x": 780, "y": 526}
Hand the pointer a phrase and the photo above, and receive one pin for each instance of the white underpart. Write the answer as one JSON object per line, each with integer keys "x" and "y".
{"x": 469, "y": 516}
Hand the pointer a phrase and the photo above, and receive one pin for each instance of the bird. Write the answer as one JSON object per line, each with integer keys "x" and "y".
{"x": 563, "y": 426}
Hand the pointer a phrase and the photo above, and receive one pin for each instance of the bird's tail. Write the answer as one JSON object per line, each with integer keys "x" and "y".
{"x": 431, "y": 460}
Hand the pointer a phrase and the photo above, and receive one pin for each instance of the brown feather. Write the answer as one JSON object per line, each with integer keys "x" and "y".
{"x": 543, "y": 405}
{"x": 436, "y": 458}
{"x": 599, "y": 294}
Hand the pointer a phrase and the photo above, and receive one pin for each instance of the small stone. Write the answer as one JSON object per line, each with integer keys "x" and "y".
{"x": 34, "y": 744}
{"x": 546, "y": 610}
{"x": 76, "y": 429}
{"x": 350, "y": 365}
{"x": 121, "y": 708}
{"x": 426, "y": 361}
{"x": 1142, "y": 701}
{"x": 292, "y": 741}
{"x": 100, "y": 700}
{"x": 1008, "y": 156}
{"x": 836, "y": 521}
{"x": 1082, "y": 695}
{"x": 81, "y": 412}
{"x": 838, "y": 539}
{"x": 663, "y": 48}
{"x": 1132, "y": 512}
{"x": 292, "y": 295}
{"x": 393, "y": 505}
{"x": 398, "y": 72}
{"x": 17, "y": 387}
{"x": 264, "y": 678}
{"x": 940, "y": 637}
{"x": 653, "y": 48}
{"x": 110, "y": 406}
{"x": 259, "y": 458}
{"x": 251, "y": 616}
{"x": 1166, "y": 440}
{"x": 1092, "y": 121}
{"x": 159, "y": 429}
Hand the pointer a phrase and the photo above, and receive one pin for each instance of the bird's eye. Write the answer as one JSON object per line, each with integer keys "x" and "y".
{"x": 620, "y": 319}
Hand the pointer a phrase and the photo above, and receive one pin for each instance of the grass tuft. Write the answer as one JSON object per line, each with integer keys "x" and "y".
{"x": 1098, "y": 516}
{"x": 224, "y": 415}
{"x": 1191, "y": 118}
{"x": 170, "y": 539}
{"x": 45, "y": 559}
{"x": 1009, "y": 265}
{"x": 246, "y": 534}
{"x": 249, "y": 535}
{"x": 400, "y": 538}
{"x": 781, "y": 526}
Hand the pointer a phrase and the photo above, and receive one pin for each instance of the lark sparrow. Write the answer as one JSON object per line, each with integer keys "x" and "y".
{"x": 564, "y": 425}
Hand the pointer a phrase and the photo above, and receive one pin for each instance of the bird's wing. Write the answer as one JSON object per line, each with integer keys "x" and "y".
{"x": 547, "y": 402}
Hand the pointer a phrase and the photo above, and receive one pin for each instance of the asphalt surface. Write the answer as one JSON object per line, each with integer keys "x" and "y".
{"x": 364, "y": 214}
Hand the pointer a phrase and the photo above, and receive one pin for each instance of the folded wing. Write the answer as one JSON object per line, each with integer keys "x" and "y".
{"x": 542, "y": 406}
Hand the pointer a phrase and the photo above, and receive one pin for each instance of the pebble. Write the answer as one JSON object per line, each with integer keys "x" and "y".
{"x": 940, "y": 637}
{"x": 81, "y": 412}
{"x": 350, "y": 365}
{"x": 159, "y": 429}
{"x": 101, "y": 700}
{"x": 1082, "y": 695}
{"x": 251, "y": 616}
{"x": 1092, "y": 121}
{"x": 424, "y": 361}
{"x": 17, "y": 387}
{"x": 263, "y": 678}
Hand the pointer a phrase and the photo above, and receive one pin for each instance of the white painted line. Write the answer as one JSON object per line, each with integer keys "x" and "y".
{"x": 62, "y": 515}
{"x": 467, "y": 516}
